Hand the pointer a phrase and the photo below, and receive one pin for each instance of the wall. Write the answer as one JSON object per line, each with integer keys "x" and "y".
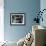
{"x": 43, "y": 6}
{"x": 29, "y": 7}
{"x": 1, "y": 21}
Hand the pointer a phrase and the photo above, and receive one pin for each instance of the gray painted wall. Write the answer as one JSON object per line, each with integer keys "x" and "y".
{"x": 29, "y": 7}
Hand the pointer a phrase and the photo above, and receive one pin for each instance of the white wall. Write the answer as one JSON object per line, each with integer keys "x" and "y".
{"x": 1, "y": 20}
{"x": 43, "y": 6}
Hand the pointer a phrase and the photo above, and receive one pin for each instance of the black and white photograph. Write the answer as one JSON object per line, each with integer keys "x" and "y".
{"x": 17, "y": 19}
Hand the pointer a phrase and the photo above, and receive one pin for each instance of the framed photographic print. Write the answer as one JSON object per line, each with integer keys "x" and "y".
{"x": 17, "y": 18}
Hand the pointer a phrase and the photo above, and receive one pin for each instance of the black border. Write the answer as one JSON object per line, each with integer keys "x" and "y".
{"x": 18, "y": 24}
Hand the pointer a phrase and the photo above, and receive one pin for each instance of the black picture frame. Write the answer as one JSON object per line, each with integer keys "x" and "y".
{"x": 17, "y": 19}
